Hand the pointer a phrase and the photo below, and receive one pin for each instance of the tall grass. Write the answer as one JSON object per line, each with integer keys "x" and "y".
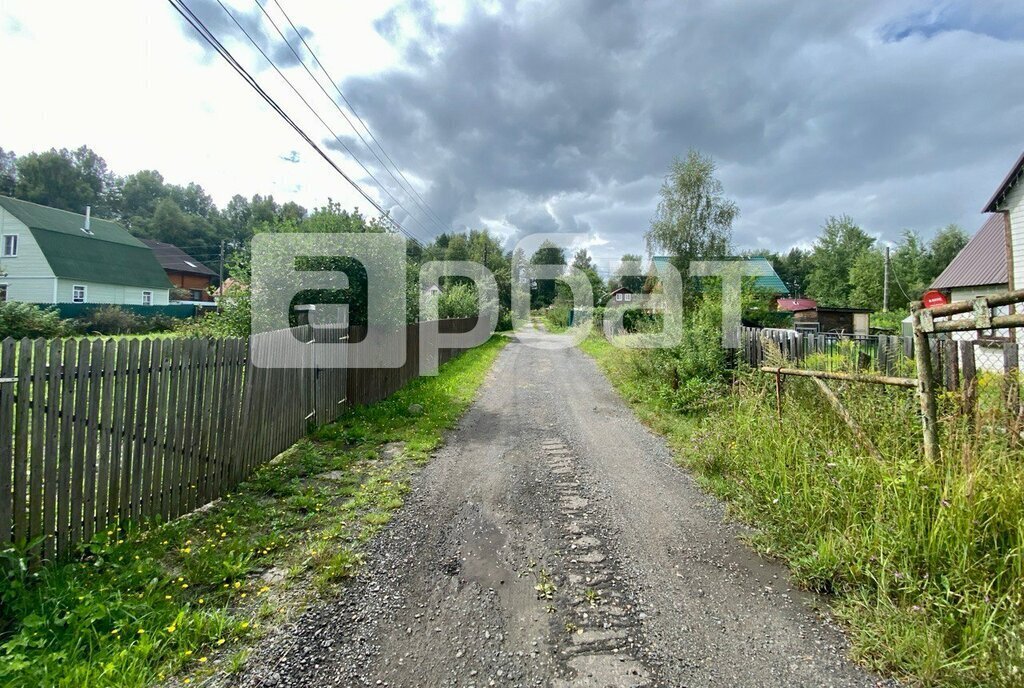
{"x": 923, "y": 561}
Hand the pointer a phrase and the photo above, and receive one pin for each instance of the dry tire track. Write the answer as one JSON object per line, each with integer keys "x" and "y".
{"x": 552, "y": 543}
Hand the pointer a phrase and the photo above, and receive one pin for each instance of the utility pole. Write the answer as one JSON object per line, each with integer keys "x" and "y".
{"x": 885, "y": 283}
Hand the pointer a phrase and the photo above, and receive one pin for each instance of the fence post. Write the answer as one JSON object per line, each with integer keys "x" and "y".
{"x": 970, "y": 377}
{"x": 925, "y": 388}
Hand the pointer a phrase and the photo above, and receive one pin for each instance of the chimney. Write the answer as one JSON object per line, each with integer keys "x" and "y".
{"x": 88, "y": 213}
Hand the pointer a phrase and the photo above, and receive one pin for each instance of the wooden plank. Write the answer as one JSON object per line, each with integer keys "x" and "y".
{"x": 1011, "y": 386}
{"x": 951, "y": 365}
{"x": 202, "y": 412}
{"x": 7, "y": 354}
{"x": 78, "y": 448}
{"x": 188, "y": 441}
{"x": 92, "y": 440}
{"x": 106, "y": 434}
{"x": 152, "y": 432}
{"x": 38, "y": 440}
{"x": 22, "y": 413}
{"x": 171, "y": 475}
{"x": 139, "y": 414}
{"x": 51, "y": 483}
{"x": 231, "y": 414}
{"x": 970, "y": 377}
{"x": 65, "y": 413}
{"x": 120, "y": 447}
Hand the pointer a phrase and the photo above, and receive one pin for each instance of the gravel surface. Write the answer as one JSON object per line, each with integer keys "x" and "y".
{"x": 552, "y": 542}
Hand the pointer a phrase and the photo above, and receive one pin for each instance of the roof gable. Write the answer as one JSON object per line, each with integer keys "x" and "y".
{"x": 982, "y": 261}
{"x": 107, "y": 255}
{"x": 174, "y": 259}
{"x": 36, "y": 216}
{"x": 1004, "y": 188}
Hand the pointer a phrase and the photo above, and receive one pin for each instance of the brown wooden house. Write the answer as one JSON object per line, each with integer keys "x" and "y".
{"x": 191, "y": 279}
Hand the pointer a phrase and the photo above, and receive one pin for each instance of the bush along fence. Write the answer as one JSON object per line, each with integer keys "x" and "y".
{"x": 95, "y": 434}
{"x": 965, "y": 350}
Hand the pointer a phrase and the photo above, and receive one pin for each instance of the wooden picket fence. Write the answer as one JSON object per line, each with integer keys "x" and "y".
{"x": 95, "y": 433}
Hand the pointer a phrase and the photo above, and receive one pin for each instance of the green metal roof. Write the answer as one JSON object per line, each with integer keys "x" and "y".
{"x": 765, "y": 277}
{"x": 109, "y": 255}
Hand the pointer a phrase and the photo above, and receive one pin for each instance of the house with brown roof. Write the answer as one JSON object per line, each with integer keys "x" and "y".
{"x": 191, "y": 279}
{"x": 1008, "y": 201}
{"x": 980, "y": 267}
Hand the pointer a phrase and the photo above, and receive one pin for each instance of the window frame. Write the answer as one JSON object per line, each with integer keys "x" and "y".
{"x": 17, "y": 240}
{"x": 618, "y": 297}
{"x": 147, "y": 294}
{"x": 85, "y": 293}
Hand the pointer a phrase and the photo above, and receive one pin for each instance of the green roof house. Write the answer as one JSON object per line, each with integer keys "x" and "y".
{"x": 55, "y": 256}
{"x": 765, "y": 277}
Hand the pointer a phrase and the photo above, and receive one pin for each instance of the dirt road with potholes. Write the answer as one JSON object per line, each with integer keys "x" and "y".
{"x": 552, "y": 542}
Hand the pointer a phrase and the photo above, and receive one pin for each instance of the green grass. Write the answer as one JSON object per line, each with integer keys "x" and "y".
{"x": 924, "y": 563}
{"x": 135, "y": 607}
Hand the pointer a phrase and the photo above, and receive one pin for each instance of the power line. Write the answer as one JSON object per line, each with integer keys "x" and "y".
{"x": 316, "y": 114}
{"x": 208, "y": 36}
{"x": 408, "y": 188}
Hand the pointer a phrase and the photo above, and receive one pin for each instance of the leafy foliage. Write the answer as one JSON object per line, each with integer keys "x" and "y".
{"x": 694, "y": 218}
{"x": 20, "y": 320}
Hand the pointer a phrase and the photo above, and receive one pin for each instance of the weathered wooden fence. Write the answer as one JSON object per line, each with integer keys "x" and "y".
{"x": 99, "y": 432}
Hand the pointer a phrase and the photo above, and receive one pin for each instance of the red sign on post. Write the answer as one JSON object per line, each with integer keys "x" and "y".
{"x": 933, "y": 298}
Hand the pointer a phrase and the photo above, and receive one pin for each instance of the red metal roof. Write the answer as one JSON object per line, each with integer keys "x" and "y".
{"x": 797, "y": 304}
{"x": 982, "y": 261}
{"x": 1010, "y": 180}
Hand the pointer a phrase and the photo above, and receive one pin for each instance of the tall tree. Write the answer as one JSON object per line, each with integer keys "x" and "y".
{"x": 943, "y": 248}
{"x": 629, "y": 263}
{"x": 694, "y": 218}
{"x": 909, "y": 270}
{"x": 835, "y": 251}
{"x": 65, "y": 179}
{"x": 8, "y": 172}
{"x": 866, "y": 280}
{"x": 583, "y": 262}
{"x": 544, "y": 290}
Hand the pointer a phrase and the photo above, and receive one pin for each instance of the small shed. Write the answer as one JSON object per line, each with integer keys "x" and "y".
{"x": 839, "y": 320}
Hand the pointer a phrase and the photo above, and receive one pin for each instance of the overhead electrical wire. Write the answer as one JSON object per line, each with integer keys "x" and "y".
{"x": 421, "y": 202}
{"x": 212, "y": 40}
{"x": 407, "y": 188}
{"x": 316, "y": 114}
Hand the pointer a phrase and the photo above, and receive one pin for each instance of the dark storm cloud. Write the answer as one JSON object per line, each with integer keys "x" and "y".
{"x": 902, "y": 115}
{"x": 532, "y": 116}
{"x": 218, "y": 19}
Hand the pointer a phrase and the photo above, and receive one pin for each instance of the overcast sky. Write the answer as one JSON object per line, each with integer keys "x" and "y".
{"x": 548, "y": 116}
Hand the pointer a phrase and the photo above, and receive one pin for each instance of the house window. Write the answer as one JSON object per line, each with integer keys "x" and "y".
{"x": 629, "y": 297}
{"x": 147, "y": 298}
{"x": 3, "y": 293}
{"x": 197, "y": 294}
{"x": 618, "y": 297}
{"x": 10, "y": 245}
{"x": 78, "y": 293}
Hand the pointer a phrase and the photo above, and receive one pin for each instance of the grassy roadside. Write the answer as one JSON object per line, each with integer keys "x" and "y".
{"x": 189, "y": 596}
{"x": 924, "y": 563}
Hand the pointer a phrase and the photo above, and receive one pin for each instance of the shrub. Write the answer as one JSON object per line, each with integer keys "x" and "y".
{"x": 19, "y": 320}
{"x": 112, "y": 320}
{"x": 458, "y": 301}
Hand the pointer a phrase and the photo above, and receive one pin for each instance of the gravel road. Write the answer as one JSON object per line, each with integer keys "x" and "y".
{"x": 552, "y": 542}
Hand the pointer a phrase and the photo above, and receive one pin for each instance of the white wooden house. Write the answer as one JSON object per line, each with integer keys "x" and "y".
{"x": 55, "y": 256}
